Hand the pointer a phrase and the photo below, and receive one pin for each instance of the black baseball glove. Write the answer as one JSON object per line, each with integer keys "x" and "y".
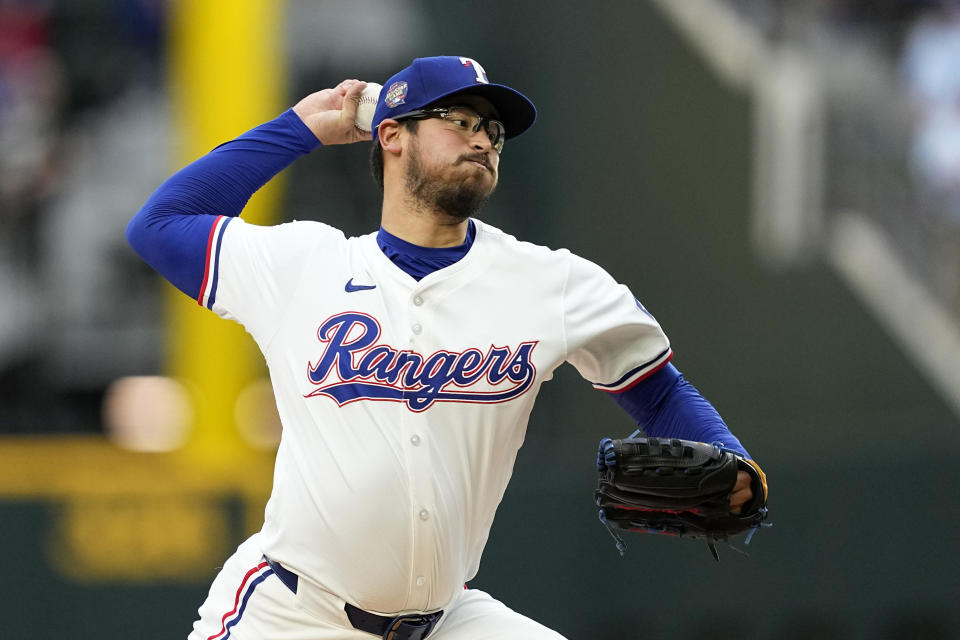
{"x": 676, "y": 487}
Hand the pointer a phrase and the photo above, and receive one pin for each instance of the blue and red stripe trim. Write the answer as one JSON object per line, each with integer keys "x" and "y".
{"x": 637, "y": 374}
{"x": 230, "y": 619}
{"x": 211, "y": 268}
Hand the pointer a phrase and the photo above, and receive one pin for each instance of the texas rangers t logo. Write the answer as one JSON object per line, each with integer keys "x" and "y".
{"x": 354, "y": 367}
{"x": 481, "y": 74}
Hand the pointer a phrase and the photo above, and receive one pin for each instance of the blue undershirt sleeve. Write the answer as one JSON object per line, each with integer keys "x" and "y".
{"x": 666, "y": 405}
{"x": 173, "y": 229}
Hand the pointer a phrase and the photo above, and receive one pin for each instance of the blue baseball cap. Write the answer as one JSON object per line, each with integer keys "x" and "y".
{"x": 428, "y": 80}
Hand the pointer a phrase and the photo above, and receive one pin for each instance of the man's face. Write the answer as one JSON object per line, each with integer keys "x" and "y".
{"x": 451, "y": 169}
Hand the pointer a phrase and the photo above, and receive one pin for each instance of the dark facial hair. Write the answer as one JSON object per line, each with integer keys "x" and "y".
{"x": 459, "y": 200}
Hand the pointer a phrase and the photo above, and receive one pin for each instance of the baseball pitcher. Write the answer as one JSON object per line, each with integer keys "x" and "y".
{"x": 405, "y": 362}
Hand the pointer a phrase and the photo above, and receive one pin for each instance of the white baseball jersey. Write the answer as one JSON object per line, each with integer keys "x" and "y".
{"x": 404, "y": 403}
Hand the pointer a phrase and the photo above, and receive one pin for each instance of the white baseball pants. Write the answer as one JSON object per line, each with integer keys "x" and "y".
{"x": 247, "y": 601}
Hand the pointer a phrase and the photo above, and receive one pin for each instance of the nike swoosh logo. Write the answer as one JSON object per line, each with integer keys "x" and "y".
{"x": 350, "y": 287}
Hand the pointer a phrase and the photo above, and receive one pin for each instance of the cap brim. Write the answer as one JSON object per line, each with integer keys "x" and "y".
{"x": 514, "y": 109}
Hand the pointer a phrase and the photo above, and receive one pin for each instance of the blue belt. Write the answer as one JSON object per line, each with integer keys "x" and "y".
{"x": 415, "y": 626}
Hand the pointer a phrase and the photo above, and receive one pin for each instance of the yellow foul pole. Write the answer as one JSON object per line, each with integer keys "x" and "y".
{"x": 226, "y": 76}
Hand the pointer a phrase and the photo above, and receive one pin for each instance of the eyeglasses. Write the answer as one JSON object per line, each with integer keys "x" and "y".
{"x": 464, "y": 119}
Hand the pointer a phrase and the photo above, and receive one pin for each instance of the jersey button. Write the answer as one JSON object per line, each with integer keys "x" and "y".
{"x": 421, "y": 581}
{"x": 417, "y": 329}
{"x": 415, "y": 440}
{"x": 424, "y": 514}
{"x": 417, "y": 300}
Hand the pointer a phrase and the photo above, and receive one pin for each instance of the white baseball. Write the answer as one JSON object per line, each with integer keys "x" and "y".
{"x": 368, "y": 104}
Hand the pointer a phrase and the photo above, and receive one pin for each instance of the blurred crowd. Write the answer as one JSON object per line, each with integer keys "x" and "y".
{"x": 80, "y": 133}
{"x": 921, "y": 41}
{"x": 890, "y": 75}
{"x": 931, "y": 73}
{"x": 85, "y": 134}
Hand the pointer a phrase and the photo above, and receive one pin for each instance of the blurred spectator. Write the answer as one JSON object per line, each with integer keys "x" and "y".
{"x": 100, "y": 300}
{"x": 84, "y": 134}
{"x": 31, "y": 92}
{"x": 931, "y": 70}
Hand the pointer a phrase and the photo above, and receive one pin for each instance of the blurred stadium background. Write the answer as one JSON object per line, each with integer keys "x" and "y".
{"x": 779, "y": 183}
